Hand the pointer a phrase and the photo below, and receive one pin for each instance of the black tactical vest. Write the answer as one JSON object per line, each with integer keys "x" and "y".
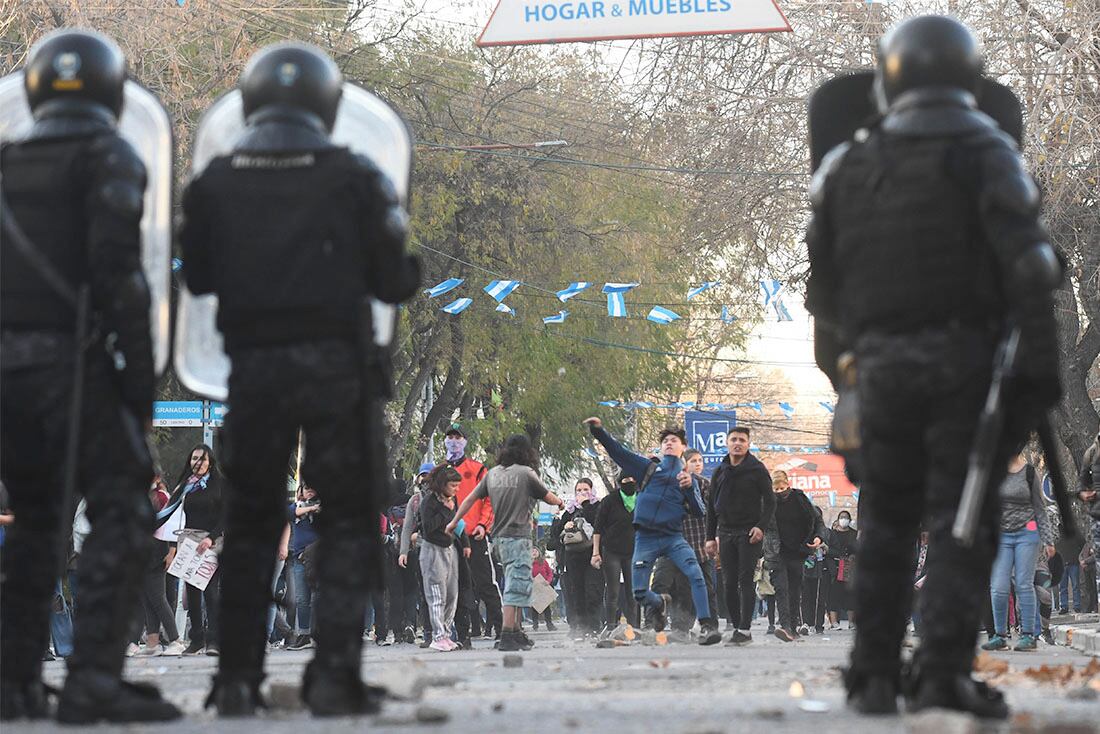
{"x": 907, "y": 240}
{"x": 45, "y": 185}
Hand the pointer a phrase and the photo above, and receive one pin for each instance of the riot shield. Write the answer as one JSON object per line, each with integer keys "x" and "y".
{"x": 146, "y": 126}
{"x": 365, "y": 124}
{"x": 844, "y": 104}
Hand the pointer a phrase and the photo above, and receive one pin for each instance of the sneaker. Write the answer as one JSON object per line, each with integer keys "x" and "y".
{"x": 996, "y": 642}
{"x": 384, "y": 642}
{"x": 213, "y": 651}
{"x": 424, "y": 644}
{"x": 803, "y": 631}
{"x": 783, "y": 634}
{"x": 174, "y": 649}
{"x": 1048, "y": 638}
{"x": 819, "y": 630}
{"x": 1026, "y": 644}
{"x": 512, "y": 642}
{"x": 443, "y": 644}
{"x": 195, "y": 648}
{"x": 526, "y": 640}
{"x": 771, "y": 629}
{"x": 551, "y": 627}
{"x": 409, "y": 636}
{"x": 131, "y": 650}
{"x": 301, "y": 642}
{"x": 739, "y": 638}
{"x": 708, "y": 632}
{"x": 149, "y": 651}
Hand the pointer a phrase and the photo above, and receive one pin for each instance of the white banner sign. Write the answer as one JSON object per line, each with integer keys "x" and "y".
{"x": 193, "y": 568}
{"x": 517, "y": 22}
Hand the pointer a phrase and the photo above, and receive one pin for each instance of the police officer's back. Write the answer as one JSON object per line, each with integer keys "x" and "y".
{"x": 924, "y": 244}
{"x": 293, "y": 234}
{"x": 73, "y": 193}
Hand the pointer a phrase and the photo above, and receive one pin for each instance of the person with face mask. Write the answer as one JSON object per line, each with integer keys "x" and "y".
{"x": 613, "y": 548}
{"x": 794, "y": 533}
{"x": 479, "y": 523}
{"x": 585, "y": 585}
{"x": 842, "y": 549}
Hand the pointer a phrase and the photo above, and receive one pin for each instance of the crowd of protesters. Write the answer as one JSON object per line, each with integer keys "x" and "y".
{"x": 463, "y": 555}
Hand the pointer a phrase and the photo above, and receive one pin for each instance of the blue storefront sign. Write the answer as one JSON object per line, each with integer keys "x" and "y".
{"x": 707, "y": 432}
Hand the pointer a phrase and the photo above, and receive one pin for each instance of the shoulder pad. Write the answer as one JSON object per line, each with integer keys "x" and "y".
{"x": 119, "y": 176}
{"x": 829, "y": 163}
{"x": 1004, "y": 180}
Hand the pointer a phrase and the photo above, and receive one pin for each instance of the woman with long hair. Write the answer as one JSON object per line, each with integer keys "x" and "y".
{"x": 439, "y": 555}
{"x": 198, "y": 489}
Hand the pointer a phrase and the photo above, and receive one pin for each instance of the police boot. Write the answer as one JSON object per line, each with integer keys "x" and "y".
{"x": 874, "y": 694}
{"x": 339, "y": 691}
{"x": 236, "y": 695}
{"x": 91, "y": 696}
{"x": 956, "y": 692}
{"x": 24, "y": 699}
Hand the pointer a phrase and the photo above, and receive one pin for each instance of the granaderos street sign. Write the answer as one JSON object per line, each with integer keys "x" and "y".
{"x": 516, "y": 22}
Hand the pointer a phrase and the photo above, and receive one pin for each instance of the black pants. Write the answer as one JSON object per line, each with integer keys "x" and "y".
{"x": 544, "y": 614}
{"x": 205, "y": 627}
{"x": 153, "y": 599}
{"x": 585, "y": 595}
{"x": 920, "y": 399}
{"x": 466, "y": 609}
{"x": 616, "y": 574}
{"x": 274, "y": 391}
{"x": 739, "y": 558}
{"x": 815, "y": 595}
{"x": 114, "y": 473}
{"x": 484, "y": 581}
{"x": 786, "y": 575}
{"x": 401, "y": 586}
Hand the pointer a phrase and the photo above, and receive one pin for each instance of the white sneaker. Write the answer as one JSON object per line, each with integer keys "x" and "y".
{"x": 149, "y": 651}
{"x": 441, "y": 645}
{"x": 174, "y": 649}
{"x": 132, "y": 650}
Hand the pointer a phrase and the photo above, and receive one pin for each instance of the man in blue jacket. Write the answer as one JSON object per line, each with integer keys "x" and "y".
{"x": 665, "y": 492}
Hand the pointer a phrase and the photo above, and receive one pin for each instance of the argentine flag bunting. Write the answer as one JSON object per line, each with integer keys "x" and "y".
{"x": 505, "y": 308}
{"x": 771, "y": 289}
{"x": 558, "y": 318}
{"x": 787, "y": 408}
{"x": 498, "y": 290}
{"x": 662, "y": 315}
{"x": 573, "y": 289}
{"x": 456, "y": 307}
{"x": 781, "y": 311}
{"x": 611, "y": 403}
{"x": 616, "y": 302}
{"x": 727, "y": 317}
{"x": 445, "y": 287}
{"x": 704, "y": 287}
{"x": 827, "y": 405}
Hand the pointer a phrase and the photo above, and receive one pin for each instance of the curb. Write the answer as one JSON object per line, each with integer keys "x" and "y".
{"x": 1083, "y": 636}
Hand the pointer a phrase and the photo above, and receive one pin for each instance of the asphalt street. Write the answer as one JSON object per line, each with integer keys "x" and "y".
{"x": 564, "y": 686}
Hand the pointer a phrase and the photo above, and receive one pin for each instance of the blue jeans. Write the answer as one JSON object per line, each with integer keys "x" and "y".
{"x": 648, "y": 547}
{"x": 61, "y": 626}
{"x": 1016, "y": 555}
{"x": 271, "y": 611}
{"x": 303, "y": 596}
{"x": 1072, "y": 578}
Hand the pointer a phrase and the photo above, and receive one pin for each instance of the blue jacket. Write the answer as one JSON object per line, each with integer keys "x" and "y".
{"x": 662, "y": 504}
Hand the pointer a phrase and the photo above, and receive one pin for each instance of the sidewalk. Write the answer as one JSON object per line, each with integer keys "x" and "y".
{"x": 1078, "y": 631}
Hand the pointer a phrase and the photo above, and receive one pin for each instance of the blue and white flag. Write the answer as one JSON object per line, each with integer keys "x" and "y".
{"x": 727, "y": 317}
{"x": 590, "y": 452}
{"x": 505, "y": 308}
{"x": 771, "y": 289}
{"x": 573, "y": 289}
{"x": 640, "y": 404}
{"x": 176, "y": 264}
{"x": 611, "y": 403}
{"x": 558, "y": 318}
{"x": 616, "y": 301}
{"x": 498, "y": 290}
{"x": 758, "y": 407}
{"x": 781, "y": 311}
{"x": 787, "y": 408}
{"x": 662, "y": 315}
{"x": 456, "y": 307}
{"x": 832, "y": 499}
{"x": 704, "y": 287}
{"x": 827, "y": 405}
{"x": 445, "y": 287}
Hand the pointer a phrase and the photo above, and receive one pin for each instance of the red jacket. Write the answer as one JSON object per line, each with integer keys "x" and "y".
{"x": 481, "y": 513}
{"x": 542, "y": 568}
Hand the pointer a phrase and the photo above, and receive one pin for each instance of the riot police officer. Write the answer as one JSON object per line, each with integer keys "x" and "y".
{"x": 293, "y": 233}
{"x": 72, "y": 203}
{"x": 925, "y": 244}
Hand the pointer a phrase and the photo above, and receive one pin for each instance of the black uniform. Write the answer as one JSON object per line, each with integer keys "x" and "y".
{"x": 917, "y": 232}
{"x": 75, "y": 187}
{"x": 293, "y": 238}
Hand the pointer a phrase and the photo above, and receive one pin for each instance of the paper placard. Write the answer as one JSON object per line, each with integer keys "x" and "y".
{"x": 542, "y": 594}
{"x": 190, "y": 566}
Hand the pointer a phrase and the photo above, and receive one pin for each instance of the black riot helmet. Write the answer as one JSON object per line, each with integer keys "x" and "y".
{"x": 293, "y": 76}
{"x": 927, "y": 51}
{"x": 75, "y": 68}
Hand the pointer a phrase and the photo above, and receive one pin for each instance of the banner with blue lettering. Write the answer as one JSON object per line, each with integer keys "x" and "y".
{"x": 707, "y": 433}
{"x": 517, "y": 22}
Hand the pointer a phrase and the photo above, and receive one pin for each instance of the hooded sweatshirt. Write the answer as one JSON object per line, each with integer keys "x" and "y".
{"x": 741, "y": 497}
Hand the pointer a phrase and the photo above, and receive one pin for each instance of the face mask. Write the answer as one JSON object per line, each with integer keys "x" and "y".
{"x": 456, "y": 448}
{"x": 844, "y": 523}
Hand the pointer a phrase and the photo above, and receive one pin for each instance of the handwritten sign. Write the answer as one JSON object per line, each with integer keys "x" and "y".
{"x": 193, "y": 568}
